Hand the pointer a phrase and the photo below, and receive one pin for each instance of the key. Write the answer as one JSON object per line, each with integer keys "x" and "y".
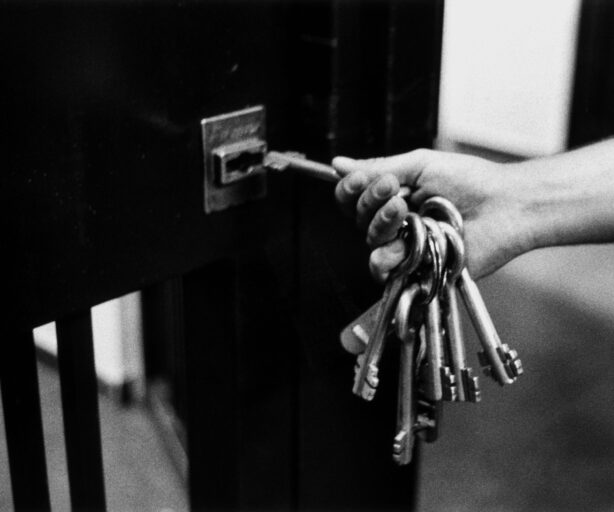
{"x": 442, "y": 382}
{"x": 428, "y": 412}
{"x": 498, "y": 360}
{"x": 355, "y": 336}
{"x": 435, "y": 369}
{"x": 467, "y": 386}
{"x": 493, "y": 355}
{"x": 366, "y": 377}
{"x": 282, "y": 161}
{"x": 406, "y": 331}
{"x": 434, "y": 351}
{"x": 278, "y": 161}
{"x": 428, "y": 422}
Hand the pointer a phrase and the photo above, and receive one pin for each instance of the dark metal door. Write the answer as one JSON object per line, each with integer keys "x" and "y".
{"x": 102, "y": 105}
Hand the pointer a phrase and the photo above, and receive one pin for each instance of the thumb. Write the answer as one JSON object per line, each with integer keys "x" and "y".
{"x": 407, "y": 167}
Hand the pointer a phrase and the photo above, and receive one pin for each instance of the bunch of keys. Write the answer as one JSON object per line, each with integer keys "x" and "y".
{"x": 420, "y": 309}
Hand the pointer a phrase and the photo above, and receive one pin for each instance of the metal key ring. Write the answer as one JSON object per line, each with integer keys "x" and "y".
{"x": 433, "y": 273}
{"x": 443, "y": 209}
{"x": 439, "y": 236}
{"x": 441, "y": 245}
{"x": 407, "y": 300}
{"x": 413, "y": 230}
{"x": 457, "y": 262}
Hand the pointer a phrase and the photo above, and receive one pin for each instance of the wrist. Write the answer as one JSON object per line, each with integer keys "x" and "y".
{"x": 560, "y": 206}
{"x": 528, "y": 196}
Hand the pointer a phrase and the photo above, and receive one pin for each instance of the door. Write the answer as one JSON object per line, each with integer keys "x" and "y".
{"x": 104, "y": 102}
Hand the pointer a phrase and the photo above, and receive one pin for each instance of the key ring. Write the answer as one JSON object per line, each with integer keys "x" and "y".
{"x": 431, "y": 278}
{"x": 456, "y": 264}
{"x": 440, "y": 240}
{"x": 414, "y": 230}
{"x": 404, "y": 309}
{"x": 444, "y": 210}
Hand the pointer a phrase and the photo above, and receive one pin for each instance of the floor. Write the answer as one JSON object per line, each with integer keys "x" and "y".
{"x": 138, "y": 473}
{"x": 544, "y": 444}
{"x": 547, "y": 442}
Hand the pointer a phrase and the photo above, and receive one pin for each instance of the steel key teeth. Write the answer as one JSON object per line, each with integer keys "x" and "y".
{"x": 372, "y": 381}
{"x": 511, "y": 361}
{"x": 449, "y": 384}
{"x": 427, "y": 420}
{"x": 360, "y": 360}
{"x": 400, "y": 454}
{"x": 367, "y": 392}
{"x": 472, "y": 385}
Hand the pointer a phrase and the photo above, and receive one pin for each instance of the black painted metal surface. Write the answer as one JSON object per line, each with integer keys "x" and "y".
{"x": 592, "y": 113}
{"x": 101, "y": 108}
{"x": 23, "y": 422}
{"x": 80, "y": 412}
{"x": 103, "y": 182}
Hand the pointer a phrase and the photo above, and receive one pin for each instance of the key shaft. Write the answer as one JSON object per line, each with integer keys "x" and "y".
{"x": 434, "y": 350}
{"x": 282, "y": 161}
{"x": 484, "y": 327}
{"x": 406, "y": 330}
{"x": 366, "y": 379}
{"x": 467, "y": 386}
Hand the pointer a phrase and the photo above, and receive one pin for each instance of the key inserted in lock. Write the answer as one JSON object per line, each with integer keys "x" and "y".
{"x": 236, "y": 157}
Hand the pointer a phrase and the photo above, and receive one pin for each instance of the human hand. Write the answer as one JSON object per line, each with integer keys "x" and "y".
{"x": 487, "y": 194}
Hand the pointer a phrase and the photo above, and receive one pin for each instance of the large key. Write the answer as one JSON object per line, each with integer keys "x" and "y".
{"x": 498, "y": 360}
{"x": 467, "y": 386}
{"x": 434, "y": 351}
{"x": 442, "y": 383}
{"x": 406, "y": 330}
{"x": 428, "y": 419}
{"x": 436, "y": 378}
{"x": 355, "y": 336}
{"x": 366, "y": 377}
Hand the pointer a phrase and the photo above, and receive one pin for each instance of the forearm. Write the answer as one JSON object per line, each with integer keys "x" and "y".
{"x": 569, "y": 198}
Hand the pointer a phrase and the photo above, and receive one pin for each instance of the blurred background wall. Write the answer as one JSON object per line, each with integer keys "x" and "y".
{"x": 526, "y": 79}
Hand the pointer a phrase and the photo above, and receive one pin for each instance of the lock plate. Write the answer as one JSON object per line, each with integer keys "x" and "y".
{"x": 234, "y": 147}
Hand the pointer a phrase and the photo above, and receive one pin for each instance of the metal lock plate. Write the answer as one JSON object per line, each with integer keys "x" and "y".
{"x": 234, "y": 147}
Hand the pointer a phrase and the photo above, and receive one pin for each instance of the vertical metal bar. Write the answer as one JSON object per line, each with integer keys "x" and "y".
{"x": 80, "y": 409}
{"x": 212, "y": 421}
{"x": 23, "y": 423}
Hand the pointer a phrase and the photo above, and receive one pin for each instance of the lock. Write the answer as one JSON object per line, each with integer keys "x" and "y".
{"x": 235, "y": 162}
{"x": 236, "y": 159}
{"x": 234, "y": 149}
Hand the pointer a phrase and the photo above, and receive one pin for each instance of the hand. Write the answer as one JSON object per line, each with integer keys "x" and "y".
{"x": 487, "y": 194}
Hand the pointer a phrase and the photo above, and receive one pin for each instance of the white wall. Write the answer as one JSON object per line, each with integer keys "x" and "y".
{"x": 507, "y": 80}
{"x": 118, "y": 340}
{"x": 507, "y": 74}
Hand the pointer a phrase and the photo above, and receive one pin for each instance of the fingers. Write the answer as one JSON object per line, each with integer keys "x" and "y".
{"x": 349, "y": 189}
{"x": 359, "y": 174}
{"x": 385, "y": 258}
{"x": 407, "y": 167}
{"x": 374, "y": 197}
{"x": 368, "y": 189}
{"x": 386, "y": 222}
